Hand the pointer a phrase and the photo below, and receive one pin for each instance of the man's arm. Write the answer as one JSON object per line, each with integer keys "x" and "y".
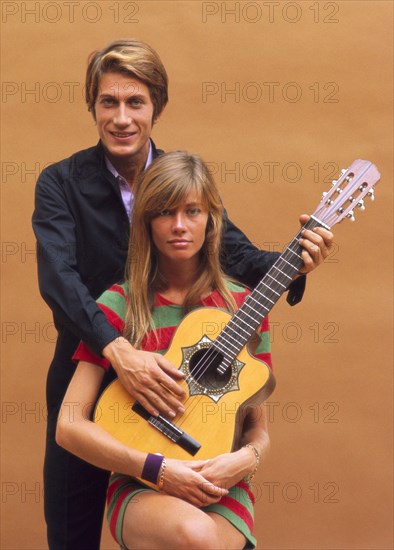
{"x": 247, "y": 264}
{"x": 60, "y": 283}
{"x": 147, "y": 377}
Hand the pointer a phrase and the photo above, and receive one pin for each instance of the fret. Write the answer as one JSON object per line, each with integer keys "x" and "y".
{"x": 261, "y": 294}
{"x": 252, "y": 308}
{"x": 229, "y": 327}
{"x": 257, "y": 302}
{"x": 245, "y": 313}
{"x": 276, "y": 281}
{"x": 237, "y": 319}
{"x": 295, "y": 253}
{"x": 228, "y": 341}
{"x": 293, "y": 266}
{"x": 224, "y": 351}
{"x": 283, "y": 273}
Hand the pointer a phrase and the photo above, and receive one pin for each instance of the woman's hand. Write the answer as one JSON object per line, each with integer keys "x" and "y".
{"x": 183, "y": 479}
{"x": 228, "y": 469}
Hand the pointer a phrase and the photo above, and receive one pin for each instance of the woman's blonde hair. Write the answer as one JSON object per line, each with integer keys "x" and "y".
{"x": 165, "y": 185}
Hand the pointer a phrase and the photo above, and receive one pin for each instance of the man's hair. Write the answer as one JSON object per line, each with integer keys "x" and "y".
{"x": 131, "y": 58}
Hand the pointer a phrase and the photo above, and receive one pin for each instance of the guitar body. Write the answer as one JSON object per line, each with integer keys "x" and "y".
{"x": 214, "y": 404}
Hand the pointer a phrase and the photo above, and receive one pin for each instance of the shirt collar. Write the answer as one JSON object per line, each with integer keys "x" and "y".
{"x": 114, "y": 171}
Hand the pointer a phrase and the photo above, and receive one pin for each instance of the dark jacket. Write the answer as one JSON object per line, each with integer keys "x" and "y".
{"x": 82, "y": 232}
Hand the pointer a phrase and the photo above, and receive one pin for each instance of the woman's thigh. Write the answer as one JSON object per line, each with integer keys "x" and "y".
{"x": 154, "y": 521}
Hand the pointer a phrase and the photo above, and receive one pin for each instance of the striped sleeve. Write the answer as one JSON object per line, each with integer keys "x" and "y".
{"x": 113, "y": 303}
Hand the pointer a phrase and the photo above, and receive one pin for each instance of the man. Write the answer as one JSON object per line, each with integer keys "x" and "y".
{"x": 81, "y": 221}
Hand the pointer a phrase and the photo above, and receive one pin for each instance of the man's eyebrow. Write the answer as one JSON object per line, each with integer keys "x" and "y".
{"x": 115, "y": 94}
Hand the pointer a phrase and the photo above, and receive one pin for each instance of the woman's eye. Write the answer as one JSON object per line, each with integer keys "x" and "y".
{"x": 165, "y": 213}
{"x": 193, "y": 211}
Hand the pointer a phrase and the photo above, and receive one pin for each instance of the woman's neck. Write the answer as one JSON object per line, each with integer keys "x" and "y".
{"x": 179, "y": 280}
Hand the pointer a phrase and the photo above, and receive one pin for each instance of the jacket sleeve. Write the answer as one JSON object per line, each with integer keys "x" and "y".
{"x": 60, "y": 283}
{"x": 248, "y": 265}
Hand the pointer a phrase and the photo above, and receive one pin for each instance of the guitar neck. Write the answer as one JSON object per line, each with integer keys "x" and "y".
{"x": 262, "y": 299}
{"x": 346, "y": 194}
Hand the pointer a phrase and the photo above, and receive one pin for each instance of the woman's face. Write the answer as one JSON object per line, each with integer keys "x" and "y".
{"x": 179, "y": 233}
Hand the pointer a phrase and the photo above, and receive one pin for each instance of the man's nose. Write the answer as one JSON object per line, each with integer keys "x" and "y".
{"x": 122, "y": 116}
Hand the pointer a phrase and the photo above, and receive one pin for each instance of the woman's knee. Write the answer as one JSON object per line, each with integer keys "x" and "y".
{"x": 199, "y": 534}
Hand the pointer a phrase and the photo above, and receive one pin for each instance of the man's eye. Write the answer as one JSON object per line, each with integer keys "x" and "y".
{"x": 107, "y": 101}
{"x": 135, "y": 102}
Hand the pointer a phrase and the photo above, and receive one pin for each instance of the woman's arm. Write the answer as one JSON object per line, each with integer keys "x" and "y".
{"x": 82, "y": 437}
{"x": 228, "y": 469}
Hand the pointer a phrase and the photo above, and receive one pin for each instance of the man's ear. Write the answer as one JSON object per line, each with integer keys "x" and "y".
{"x": 93, "y": 112}
{"x": 157, "y": 117}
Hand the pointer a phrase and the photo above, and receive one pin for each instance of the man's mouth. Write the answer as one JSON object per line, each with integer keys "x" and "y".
{"x": 122, "y": 134}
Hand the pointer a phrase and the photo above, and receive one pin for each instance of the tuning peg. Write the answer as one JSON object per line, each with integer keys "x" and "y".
{"x": 371, "y": 194}
{"x": 360, "y": 204}
{"x": 350, "y": 215}
{"x": 343, "y": 170}
{"x": 339, "y": 190}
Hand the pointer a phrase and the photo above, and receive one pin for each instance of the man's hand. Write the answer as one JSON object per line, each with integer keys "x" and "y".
{"x": 316, "y": 244}
{"x": 148, "y": 377}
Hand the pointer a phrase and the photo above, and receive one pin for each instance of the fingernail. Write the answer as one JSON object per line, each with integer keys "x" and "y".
{"x": 181, "y": 409}
{"x": 171, "y": 414}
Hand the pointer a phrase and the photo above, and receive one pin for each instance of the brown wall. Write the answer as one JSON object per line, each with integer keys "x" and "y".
{"x": 306, "y": 85}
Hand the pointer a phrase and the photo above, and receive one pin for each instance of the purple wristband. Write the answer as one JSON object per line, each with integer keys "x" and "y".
{"x": 152, "y": 467}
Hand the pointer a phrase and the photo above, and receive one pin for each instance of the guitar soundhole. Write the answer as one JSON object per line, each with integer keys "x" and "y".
{"x": 203, "y": 367}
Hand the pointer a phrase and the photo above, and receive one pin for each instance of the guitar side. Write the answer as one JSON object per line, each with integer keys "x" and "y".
{"x": 213, "y": 421}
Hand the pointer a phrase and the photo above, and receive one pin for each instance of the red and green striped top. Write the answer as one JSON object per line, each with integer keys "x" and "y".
{"x": 166, "y": 316}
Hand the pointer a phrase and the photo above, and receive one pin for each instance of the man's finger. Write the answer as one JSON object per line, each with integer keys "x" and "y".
{"x": 169, "y": 368}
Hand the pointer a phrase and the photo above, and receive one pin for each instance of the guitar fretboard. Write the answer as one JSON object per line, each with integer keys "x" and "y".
{"x": 261, "y": 300}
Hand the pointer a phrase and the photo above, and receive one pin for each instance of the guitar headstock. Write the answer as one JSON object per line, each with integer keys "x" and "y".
{"x": 348, "y": 192}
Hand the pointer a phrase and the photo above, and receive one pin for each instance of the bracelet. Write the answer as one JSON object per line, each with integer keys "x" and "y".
{"x": 160, "y": 483}
{"x": 257, "y": 457}
{"x": 152, "y": 467}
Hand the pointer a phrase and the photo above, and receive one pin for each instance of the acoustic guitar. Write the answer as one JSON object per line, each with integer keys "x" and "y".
{"x": 222, "y": 378}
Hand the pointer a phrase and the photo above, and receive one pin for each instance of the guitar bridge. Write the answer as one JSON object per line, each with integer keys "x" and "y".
{"x": 169, "y": 429}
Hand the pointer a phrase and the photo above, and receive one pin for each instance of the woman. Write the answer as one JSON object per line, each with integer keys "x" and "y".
{"x": 173, "y": 266}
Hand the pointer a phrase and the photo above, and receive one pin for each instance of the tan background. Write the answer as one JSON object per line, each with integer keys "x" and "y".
{"x": 312, "y": 91}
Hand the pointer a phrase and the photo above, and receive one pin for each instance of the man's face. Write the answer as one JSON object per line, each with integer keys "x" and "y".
{"x": 124, "y": 116}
